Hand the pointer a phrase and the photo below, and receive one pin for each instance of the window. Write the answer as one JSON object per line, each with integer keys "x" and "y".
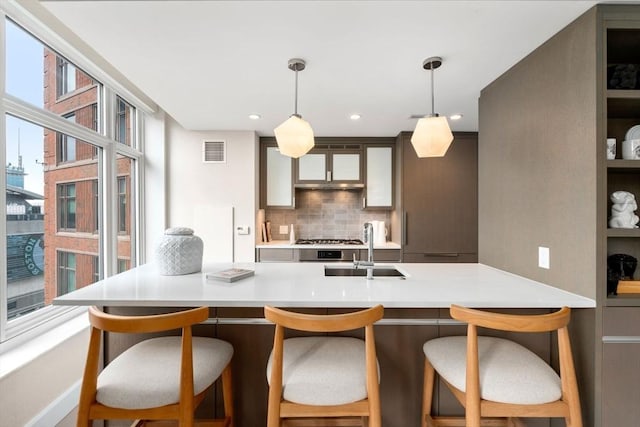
{"x": 124, "y": 122}
{"x": 66, "y": 145}
{"x": 122, "y": 205}
{"x": 123, "y": 265}
{"x": 65, "y": 77}
{"x": 66, "y": 272}
{"x": 95, "y": 209}
{"x": 66, "y": 207}
{"x": 56, "y": 142}
{"x": 96, "y": 268}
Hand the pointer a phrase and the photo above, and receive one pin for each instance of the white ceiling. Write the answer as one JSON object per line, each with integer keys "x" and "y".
{"x": 210, "y": 64}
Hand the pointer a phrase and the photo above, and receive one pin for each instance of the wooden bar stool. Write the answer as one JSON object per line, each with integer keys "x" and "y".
{"x": 162, "y": 378}
{"x": 494, "y": 377}
{"x": 323, "y": 376}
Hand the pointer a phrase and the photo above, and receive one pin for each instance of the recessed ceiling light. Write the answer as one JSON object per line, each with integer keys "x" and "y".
{"x": 455, "y": 116}
{"x": 355, "y": 117}
{"x": 255, "y": 116}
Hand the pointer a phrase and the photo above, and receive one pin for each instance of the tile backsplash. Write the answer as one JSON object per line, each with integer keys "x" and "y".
{"x": 325, "y": 214}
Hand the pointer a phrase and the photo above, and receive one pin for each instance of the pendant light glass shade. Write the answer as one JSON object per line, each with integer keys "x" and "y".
{"x": 432, "y": 135}
{"x": 295, "y": 135}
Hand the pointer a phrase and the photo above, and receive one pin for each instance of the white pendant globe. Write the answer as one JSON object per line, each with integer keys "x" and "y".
{"x": 432, "y": 137}
{"x": 294, "y": 137}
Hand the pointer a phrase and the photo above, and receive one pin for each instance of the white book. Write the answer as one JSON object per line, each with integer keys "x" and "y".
{"x": 230, "y": 274}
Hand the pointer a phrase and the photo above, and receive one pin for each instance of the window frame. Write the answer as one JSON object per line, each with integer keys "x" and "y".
{"x": 15, "y": 331}
{"x": 63, "y": 206}
{"x": 63, "y": 270}
{"x": 64, "y": 81}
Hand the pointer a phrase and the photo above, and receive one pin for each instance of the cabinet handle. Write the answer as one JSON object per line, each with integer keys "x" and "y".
{"x": 441, "y": 254}
{"x": 405, "y": 225}
{"x": 364, "y": 202}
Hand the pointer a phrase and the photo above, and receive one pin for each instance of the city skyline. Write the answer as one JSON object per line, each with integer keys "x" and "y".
{"x": 24, "y": 70}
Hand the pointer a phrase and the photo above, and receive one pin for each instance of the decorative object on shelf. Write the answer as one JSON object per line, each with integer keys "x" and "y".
{"x": 611, "y": 148}
{"x": 631, "y": 149}
{"x": 432, "y": 135}
{"x": 292, "y": 235}
{"x": 179, "y": 252}
{"x": 628, "y": 287}
{"x": 623, "y": 76}
{"x": 619, "y": 267}
{"x": 623, "y": 210}
{"x": 295, "y": 135}
{"x": 633, "y": 133}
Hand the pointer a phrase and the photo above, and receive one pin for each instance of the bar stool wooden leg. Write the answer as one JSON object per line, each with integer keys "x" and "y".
{"x": 427, "y": 394}
{"x": 227, "y": 395}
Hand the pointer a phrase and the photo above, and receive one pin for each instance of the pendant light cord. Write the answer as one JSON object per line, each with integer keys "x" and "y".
{"x": 295, "y": 102}
{"x": 433, "y": 109}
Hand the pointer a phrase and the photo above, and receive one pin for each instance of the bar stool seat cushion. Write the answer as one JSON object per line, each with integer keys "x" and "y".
{"x": 148, "y": 374}
{"x": 323, "y": 370}
{"x": 509, "y": 373}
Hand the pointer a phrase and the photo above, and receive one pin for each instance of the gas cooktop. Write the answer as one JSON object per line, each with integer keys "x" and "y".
{"x": 329, "y": 242}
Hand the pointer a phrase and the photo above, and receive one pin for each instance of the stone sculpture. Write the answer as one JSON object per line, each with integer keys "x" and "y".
{"x": 623, "y": 210}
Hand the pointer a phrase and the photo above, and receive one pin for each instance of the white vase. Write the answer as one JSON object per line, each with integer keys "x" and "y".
{"x": 179, "y": 252}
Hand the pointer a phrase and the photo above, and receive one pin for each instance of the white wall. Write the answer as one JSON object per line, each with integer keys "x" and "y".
{"x": 28, "y": 393}
{"x": 194, "y": 187}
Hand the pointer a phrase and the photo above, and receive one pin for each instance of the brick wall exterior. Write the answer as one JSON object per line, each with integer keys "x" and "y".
{"x": 83, "y": 171}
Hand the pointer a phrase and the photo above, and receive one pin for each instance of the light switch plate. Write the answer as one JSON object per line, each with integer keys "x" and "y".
{"x": 284, "y": 229}
{"x": 543, "y": 257}
{"x": 242, "y": 229}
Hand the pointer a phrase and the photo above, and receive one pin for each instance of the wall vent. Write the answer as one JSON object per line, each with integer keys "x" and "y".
{"x": 214, "y": 152}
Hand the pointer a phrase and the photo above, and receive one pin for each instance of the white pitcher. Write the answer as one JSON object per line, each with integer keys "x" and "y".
{"x": 379, "y": 232}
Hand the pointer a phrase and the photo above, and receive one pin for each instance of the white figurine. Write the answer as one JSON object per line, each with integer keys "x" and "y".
{"x": 622, "y": 210}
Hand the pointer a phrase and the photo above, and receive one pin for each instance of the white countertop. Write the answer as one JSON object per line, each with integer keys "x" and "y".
{"x": 284, "y": 244}
{"x": 304, "y": 285}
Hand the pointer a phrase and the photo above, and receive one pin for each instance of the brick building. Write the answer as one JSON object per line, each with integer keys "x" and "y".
{"x": 72, "y": 220}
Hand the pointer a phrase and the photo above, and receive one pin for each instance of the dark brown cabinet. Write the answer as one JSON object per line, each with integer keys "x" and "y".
{"x": 440, "y": 202}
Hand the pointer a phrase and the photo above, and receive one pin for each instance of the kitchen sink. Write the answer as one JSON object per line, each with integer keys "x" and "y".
{"x": 362, "y": 272}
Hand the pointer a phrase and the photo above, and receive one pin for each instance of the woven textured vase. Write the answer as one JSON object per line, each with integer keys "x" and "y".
{"x": 179, "y": 252}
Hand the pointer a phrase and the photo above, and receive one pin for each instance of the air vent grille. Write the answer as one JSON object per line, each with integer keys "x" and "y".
{"x": 214, "y": 152}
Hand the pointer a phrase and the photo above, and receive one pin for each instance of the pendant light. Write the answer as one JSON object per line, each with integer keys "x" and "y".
{"x": 295, "y": 136}
{"x": 432, "y": 135}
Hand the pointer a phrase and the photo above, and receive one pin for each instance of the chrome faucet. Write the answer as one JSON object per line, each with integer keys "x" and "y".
{"x": 368, "y": 238}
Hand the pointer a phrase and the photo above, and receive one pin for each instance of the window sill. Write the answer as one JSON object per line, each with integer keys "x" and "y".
{"x": 33, "y": 344}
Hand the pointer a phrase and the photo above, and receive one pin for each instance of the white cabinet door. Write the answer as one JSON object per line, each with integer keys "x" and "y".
{"x": 279, "y": 179}
{"x": 379, "y": 183}
{"x": 312, "y": 167}
{"x": 346, "y": 167}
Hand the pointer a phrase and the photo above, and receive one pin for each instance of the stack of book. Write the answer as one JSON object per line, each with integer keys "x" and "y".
{"x": 266, "y": 231}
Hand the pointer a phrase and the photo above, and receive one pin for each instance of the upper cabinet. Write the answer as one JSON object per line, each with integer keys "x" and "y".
{"x": 379, "y": 161}
{"x": 276, "y": 172}
{"x": 366, "y": 165}
{"x": 330, "y": 165}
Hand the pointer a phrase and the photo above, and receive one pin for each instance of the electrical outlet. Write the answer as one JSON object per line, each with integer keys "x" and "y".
{"x": 284, "y": 229}
{"x": 543, "y": 257}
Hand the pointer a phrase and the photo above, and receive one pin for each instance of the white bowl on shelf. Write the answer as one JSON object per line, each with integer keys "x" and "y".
{"x": 631, "y": 149}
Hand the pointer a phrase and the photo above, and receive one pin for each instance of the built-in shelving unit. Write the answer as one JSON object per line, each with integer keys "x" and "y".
{"x": 622, "y": 112}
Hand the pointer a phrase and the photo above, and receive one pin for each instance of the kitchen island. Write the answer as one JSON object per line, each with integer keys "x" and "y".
{"x": 305, "y": 285}
{"x": 416, "y": 310}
